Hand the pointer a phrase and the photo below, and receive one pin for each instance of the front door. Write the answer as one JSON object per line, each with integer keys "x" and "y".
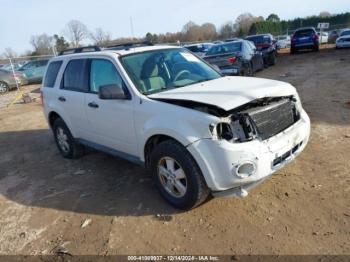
{"x": 111, "y": 122}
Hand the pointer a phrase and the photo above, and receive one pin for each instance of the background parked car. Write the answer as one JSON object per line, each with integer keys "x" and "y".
{"x": 343, "y": 40}
{"x": 8, "y": 67}
{"x": 267, "y": 45}
{"x": 283, "y": 41}
{"x": 323, "y": 39}
{"x": 8, "y": 80}
{"x": 34, "y": 70}
{"x": 199, "y": 49}
{"x": 305, "y": 38}
{"x": 236, "y": 58}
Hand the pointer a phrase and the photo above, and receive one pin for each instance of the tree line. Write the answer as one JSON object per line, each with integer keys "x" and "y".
{"x": 76, "y": 33}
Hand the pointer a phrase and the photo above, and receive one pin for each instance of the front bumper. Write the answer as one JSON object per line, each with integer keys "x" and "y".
{"x": 220, "y": 159}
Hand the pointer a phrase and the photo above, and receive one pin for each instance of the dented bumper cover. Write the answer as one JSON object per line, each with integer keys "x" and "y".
{"x": 220, "y": 159}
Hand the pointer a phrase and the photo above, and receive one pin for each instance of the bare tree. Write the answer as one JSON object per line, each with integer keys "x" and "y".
{"x": 208, "y": 31}
{"x": 42, "y": 44}
{"x": 76, "y": 31}
{"x": 9, "y": 53}
{"x": 100, "y": 37}
{"x": 226, "y": 30}
{"x": 325, "y": 14}
{"x": 244, "y": 22}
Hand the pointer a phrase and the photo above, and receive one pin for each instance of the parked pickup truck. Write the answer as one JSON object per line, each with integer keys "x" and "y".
{"x": 197, "y": 132}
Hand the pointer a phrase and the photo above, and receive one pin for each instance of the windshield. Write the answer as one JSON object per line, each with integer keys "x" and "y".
{"x": 259, "y": 39}
{"x": 160, "y": 70}
{"x": 225, "y": 48}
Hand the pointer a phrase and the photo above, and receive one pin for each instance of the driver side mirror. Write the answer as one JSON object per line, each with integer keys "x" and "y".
{"x": 111, "y": 92}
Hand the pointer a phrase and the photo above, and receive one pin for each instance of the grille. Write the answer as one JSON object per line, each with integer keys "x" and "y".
{"x": 274, "y": 118}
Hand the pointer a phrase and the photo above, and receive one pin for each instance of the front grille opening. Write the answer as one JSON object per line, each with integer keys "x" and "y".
{"x": 281, "y": 159}
{"x": 274, "y": 118}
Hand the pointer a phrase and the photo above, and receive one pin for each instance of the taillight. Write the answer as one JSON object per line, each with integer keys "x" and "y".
{"x": 315, "y": 37}
{"x": 294, "y": 39}
{"x": 232, "y": 59}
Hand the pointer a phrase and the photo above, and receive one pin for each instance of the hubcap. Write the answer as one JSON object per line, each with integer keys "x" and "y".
{"x": 3, "y": 88}
{"x": 62, "y": 140}
{"x": 172, "y": 177}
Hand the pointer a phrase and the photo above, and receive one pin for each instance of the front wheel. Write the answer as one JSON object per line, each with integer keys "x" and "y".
{"x": 177, "y": 175}
{"x": 273, "y": 59}
{"x": 3, "y": 87}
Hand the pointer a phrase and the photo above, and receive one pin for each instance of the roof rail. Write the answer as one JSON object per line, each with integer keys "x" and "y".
{"x": 129, "y": 45}
{"x": 80, "y": 50}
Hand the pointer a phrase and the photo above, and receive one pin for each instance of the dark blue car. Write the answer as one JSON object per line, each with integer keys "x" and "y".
{"x": 304, "y": 38}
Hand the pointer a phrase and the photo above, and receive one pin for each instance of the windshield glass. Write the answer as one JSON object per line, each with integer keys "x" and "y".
{"x": 225, "y": 48}
{"x": 160, "y": 70}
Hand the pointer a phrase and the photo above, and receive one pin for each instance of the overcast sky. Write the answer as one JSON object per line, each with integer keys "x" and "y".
{"x": 19, "y": 19}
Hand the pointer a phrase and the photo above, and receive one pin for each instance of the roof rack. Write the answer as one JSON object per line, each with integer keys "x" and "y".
{"x": 129, "y": 45}
{"x": 82, "y": 49}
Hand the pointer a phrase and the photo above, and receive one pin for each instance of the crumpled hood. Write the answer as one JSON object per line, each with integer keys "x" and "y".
{"x": 228, "y": 92}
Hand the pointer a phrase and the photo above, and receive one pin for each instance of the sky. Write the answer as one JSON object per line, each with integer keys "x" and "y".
{"x": 20, "y": 19}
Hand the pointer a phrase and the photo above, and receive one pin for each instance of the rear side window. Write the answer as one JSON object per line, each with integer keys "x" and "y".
{"x": 75, "y": 77}
{"x": 51, "y": 73}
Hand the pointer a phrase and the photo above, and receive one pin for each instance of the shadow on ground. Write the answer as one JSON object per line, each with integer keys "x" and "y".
{"x": 34, "y": 174}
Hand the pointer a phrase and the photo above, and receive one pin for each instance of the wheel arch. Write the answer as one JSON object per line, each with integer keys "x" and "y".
{"x": 152, "y": 142}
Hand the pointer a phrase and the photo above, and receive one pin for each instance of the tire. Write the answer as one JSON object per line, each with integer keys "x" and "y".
{"x": 4, "y": 87}
{"x": 248, "y": 70}
{"x": 316, "y": 48}
{"x": 273, "y": 59}
{"x": 193, "y": 190}
{"x": 65, "y": 142}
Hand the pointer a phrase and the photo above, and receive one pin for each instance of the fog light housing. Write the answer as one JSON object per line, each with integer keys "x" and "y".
{"x": 245, "y": 169}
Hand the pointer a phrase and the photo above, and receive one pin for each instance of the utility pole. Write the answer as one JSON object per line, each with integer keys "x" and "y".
{"x": 132, "y": 27}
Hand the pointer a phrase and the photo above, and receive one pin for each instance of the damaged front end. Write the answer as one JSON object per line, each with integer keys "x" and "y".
{"x": 262, "y": 118}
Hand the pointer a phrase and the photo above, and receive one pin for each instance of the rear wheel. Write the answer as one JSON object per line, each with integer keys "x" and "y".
{"x": 177, "y": 175}
{"x": 273, "y": 59}
{"x": 248, "y": 70}
{"x": 65, "y": 142}
{"x": 316, "y": 48}
{"x": 293, "y": 51}
{"x": 3, "y": 87}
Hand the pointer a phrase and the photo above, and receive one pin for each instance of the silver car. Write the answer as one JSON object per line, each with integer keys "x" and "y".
{"x": 8, "y": 80}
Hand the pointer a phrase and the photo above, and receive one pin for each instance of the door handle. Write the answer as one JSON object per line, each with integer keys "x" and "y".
{"x": 62, "y": 99}
{"x": 93, "y": 105}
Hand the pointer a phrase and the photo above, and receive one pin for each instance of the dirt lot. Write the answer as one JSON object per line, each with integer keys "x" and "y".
{"x": 303, "y": 209}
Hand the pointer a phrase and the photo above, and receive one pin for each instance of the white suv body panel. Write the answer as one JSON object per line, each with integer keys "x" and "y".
{"x": 143, "y": 117}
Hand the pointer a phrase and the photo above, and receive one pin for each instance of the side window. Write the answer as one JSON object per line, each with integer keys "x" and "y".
{"x": 104, "y": 73}
{"x": 75, "y": 77}
{"x": 51, "y": 73}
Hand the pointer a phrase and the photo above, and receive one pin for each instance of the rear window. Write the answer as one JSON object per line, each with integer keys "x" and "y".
{"x": 75, "y": 77}
{"x": 347, "y": 32}
{"x": 51, "y": 73}
{"x": 225, "y": 48}
{"x": 305, "y": 32}
{"x": 260, "y": 39}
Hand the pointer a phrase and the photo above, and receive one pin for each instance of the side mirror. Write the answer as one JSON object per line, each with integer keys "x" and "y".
{"x": 111, "y": 92}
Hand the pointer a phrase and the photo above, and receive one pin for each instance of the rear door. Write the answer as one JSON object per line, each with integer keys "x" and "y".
{"x": 111, "y": 122}
{"x": 70, "y": 97}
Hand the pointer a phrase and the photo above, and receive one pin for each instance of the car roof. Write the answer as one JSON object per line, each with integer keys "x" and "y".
{"x": 306, "y": 28}
{"x": 119, "y": 52}
{"x": 258, "y": 35}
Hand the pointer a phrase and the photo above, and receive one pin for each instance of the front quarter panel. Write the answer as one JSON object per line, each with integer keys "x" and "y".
{"x": 160, "y": 118}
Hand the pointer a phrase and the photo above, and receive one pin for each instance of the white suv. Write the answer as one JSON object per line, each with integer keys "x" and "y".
{"x": 198, "y": 132}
